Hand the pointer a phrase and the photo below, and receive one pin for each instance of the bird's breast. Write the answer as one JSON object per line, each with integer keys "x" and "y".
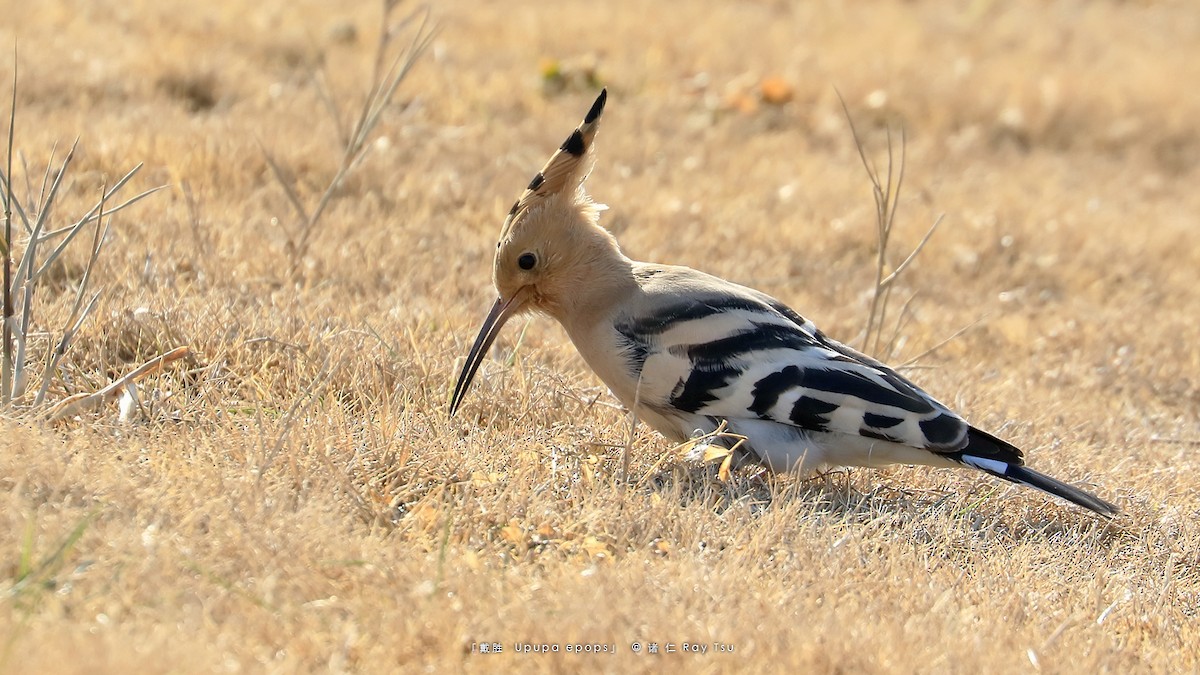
{"x": 637, "y": 371}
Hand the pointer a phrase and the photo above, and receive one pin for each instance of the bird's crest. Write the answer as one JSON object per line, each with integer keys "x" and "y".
{"x": 566, "y": 169}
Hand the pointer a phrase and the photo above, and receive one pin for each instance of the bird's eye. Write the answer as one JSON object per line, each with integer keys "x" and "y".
{"x": 527, "y": 261}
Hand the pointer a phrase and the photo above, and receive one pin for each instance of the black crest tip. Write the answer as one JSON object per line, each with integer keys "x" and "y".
{"x": 597, "y": 107}
{"x": 574, "y": 144}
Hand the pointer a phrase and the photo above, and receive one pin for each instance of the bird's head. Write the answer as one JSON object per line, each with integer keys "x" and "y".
{"x": 551, "y": 246}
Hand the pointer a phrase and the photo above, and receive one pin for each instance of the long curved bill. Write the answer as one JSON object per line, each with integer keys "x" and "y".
{"x": 500, "y": 313}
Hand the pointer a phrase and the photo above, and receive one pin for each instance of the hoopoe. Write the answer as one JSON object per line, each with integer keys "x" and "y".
{"x": 685, "y": 350}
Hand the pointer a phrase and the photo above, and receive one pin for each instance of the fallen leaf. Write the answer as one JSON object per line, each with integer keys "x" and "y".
{"x": 512, "y": 533}
{"x": 594, "y": 547}
{"x": 743, "y": 103}
{"x": 127, "y": 403}
{"x": 723, "y": 472}
{"x": 776, "y": 90}
{"x": 479, "y": 478}
{"x": 715, "y": 452}
{"x": 427, "y": 515}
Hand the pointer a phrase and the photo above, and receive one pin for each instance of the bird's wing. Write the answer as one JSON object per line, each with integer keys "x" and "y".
{"x": 726, "y": 351}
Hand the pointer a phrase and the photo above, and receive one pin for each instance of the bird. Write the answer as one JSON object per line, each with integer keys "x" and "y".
{"x": 687, "y": 352}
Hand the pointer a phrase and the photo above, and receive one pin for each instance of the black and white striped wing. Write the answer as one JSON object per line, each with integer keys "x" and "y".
{"x": 742, "y": 355}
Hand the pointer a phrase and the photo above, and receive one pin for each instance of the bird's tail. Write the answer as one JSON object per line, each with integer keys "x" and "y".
{"x": 1000, "y": 459}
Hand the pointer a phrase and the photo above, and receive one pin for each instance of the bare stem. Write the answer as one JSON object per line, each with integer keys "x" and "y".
{"x": 79, "y": 311}
{"x": 6, "y": 372}
{"x": 20, "y": 285}
{"x": 885, "y": 190}
{"x": 386, "y": 78}
{"x": 633, "y": 420}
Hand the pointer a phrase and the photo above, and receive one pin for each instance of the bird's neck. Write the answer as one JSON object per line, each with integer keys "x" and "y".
{"x": 601, "y": 279}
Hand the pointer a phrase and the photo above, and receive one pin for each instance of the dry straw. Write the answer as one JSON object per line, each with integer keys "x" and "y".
{"x": 386, "y": 78}
{"x": 22, "y": 287}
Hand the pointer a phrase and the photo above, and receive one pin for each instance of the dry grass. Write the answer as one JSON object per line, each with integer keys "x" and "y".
{"x": 294, "y": 497}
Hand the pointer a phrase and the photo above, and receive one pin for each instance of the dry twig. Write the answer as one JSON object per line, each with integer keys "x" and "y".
{"x": 81, "y": 403}
{"x": 385, "y": 80}
{"x": 886, "y": 192}
{"x": 21, "y": 286}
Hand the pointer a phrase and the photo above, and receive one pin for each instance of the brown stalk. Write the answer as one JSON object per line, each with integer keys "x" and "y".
{"x": 886, "y": 192}
{"x": 6, "y": 371}
{"x": 385, "y": 80}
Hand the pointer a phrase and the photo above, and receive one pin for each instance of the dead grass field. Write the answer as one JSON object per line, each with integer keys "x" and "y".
{"x": 297, "y": 500}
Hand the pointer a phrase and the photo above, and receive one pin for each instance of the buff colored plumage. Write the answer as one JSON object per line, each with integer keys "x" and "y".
{"x": 692, "y": 350}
